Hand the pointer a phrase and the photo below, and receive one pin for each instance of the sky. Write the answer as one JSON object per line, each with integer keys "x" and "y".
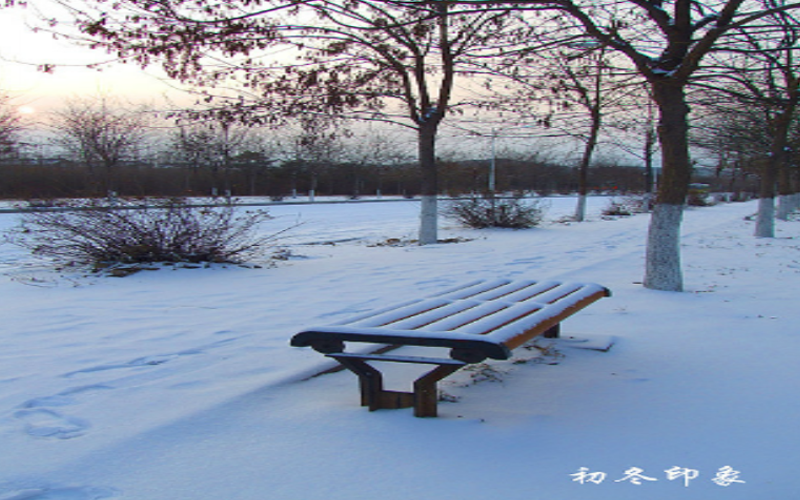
{"x": 36, "y": 93}
{"x": 22, "y": 50}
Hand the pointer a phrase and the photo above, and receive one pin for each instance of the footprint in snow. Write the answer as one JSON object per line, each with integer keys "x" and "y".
{"x": 525, "y": 262}
{"x": 145, "y": 361}
{"x": 44, "y": 423}
{"x": 74, "y": 493}
{"x": 153, "y": 360}
{"x": 63, "y": 398}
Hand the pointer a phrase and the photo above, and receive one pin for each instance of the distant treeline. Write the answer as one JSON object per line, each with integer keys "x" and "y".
{"x": 252, "y": 177}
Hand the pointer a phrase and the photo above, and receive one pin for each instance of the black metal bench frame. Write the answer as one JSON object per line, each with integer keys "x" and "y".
{"x": 479, "y": 320}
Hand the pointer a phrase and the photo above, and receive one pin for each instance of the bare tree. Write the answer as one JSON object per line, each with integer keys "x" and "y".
{"x": 10, "y": 126}
{"x": 637, "y": 136}
{"x": 101, "y": 133}
{"x": 735, "y": 134}
{"x": 741, "y": 132}
{"x": 209, "y": 146}
{"x": 192, "y": 147}
{"x": 575, "y": 88}
{"x": 360, "y": 59}
{"x": 259, "y": 153}
{"x": 667, "y": 41}
{"x": 377, "y": 151}
{"x": 317, "y": 146}
{"x": 763, "y": 78}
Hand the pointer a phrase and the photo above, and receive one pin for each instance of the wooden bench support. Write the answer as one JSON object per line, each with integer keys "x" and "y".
{"x": 553, "y": 332}
{"x": 426, "y": 396}
{"x": 375, "y": 397}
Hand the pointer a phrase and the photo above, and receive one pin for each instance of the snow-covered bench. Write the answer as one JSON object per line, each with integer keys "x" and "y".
{"x": 476, "y": 321}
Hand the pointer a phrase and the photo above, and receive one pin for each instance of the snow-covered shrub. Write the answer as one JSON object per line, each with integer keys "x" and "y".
{"x": 629, "y": 205}
{"x": 740, "y": 197}
{"x": 490, "y": 211}
{"x": 98, "y": 233}
{"x": 699, "y": 198}
{"x": 616, "y": 208}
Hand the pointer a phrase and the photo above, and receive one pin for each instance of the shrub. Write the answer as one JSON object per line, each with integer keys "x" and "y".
{"x": 740, "y": 196}
{"x": 617, "y": 208}
{"x": 629, "y": 205}
{"x": 480, "y": 212}
{"x": 101, "y": 233}
{"x": 699, "y": 198}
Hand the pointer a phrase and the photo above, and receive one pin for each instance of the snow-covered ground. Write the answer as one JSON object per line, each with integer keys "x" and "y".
{"x": 181, "y": 385}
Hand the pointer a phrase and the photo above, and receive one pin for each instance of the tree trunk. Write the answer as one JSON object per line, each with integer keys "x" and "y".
{"x": 312, "y": 192}
{"x": 785, "y": 206}
{"x": 583, "y": 168}
{"x": 765, "y": 221}
{"x": 428, "y": 227}
{"x": 663, "y": 265}
{"x": 786, "y": 193}
{"x": 649, "y": 144}
{"x": 580, "y": 208}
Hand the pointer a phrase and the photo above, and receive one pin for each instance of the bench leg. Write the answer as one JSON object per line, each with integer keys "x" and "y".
{"x": 426, "y": 396}
{"x": 370, "y": 381}
{"x": 424, "y": 399}
{"x": 554, "y": 332}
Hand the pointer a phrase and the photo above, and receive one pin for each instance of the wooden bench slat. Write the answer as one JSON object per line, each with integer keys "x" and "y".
{"x": 399, "y": 313}
{"x": 512, "y": 288}
{"x": 492, "y": 322}
{"x": 562, "y": 291}
{"x": 420, "y": 312}
{"x": 517, "y": 333}
{"x": 373, "y": 313}
{"x": 457, "y": 321}
{"x": 428, "y": 316}
{"x": 494, "y": 314}
{"x": 532, "y": 291}
{"x": 440, "y": 315}
{"x": 470, "y": 290}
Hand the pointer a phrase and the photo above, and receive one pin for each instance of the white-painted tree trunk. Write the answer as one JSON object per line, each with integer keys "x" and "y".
{"x": 648, "y": 200}
{"x": 663, "y": 261}
{"x": 784, "y": 207}
{"x": 428, "y": 223}
{"x": 789, "y": 203}
{"x": 765, "y": 219}
{"x": 580, "y": 208}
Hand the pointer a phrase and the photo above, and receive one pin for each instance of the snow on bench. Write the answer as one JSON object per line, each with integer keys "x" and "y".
{"x": 479, "y": 320}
